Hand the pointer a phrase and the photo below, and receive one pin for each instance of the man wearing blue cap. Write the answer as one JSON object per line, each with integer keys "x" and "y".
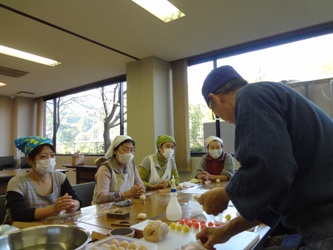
{"x": 283, "y": 142}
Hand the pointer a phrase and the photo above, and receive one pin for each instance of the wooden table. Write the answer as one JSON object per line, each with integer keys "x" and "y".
{"x": 84, "y": 173}
{"x": 94, "y": 218}
{"x": 6, "y": 175}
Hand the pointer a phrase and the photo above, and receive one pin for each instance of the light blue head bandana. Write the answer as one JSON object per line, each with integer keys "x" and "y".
{"x": 27, "y": 144}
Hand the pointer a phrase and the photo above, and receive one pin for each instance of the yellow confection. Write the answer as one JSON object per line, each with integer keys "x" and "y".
{"x": 173, "y": 225}
{"x": 186, "y": 229}
{"x": 179, "y": 227}
{"x": 227, "y": 217}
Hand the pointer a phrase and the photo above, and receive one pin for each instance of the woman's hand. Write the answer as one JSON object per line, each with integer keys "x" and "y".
{"x": 140, "y": 189}
{"x": 214, "y": 201}
{"x": 135, "y": 191}
{"x": 73, "y": 207}
{"x": 65, "y": 203}
{"x": 160, "y": 185}
{"x": 204, "y": 176}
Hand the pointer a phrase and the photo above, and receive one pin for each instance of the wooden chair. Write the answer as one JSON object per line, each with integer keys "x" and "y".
{"x": 85, "y": 192}
{"x": 7, "y": 162}
{"x": 24, "y": 163}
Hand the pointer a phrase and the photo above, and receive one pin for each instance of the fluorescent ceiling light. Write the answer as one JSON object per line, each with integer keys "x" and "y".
{"x": 27, "y": 56}
{"x": 2, "y": 84}
{"x": 162, "y": 9}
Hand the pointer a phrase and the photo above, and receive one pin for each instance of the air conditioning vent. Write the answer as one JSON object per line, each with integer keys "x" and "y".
{"x": 12, "y": 72}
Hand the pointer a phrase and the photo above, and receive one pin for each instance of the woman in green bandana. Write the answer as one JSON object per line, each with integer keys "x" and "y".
{"x": 156, "y": 170}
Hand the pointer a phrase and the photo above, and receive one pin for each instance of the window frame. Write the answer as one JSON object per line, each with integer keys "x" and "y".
{"x": 264, "y": 43}
{"x": 106, "y": 82}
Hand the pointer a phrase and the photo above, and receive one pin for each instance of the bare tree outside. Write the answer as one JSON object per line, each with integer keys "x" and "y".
{"x": 86, "y": 121}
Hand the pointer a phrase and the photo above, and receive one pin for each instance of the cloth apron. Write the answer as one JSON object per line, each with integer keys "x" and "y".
{"x": 120, "y": 182}
{"x": 154, "y": 176}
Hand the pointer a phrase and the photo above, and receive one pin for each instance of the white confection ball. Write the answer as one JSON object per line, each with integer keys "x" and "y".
{"x": 196, "y": 196}
{"x": 132, "y": 246}
{"x": 124, "y": 244}
{"x": 115, "y": 241}
{"x": 113, "y": 247}
{"x": 142, "y": 197}
{"x": 142, "y": 216}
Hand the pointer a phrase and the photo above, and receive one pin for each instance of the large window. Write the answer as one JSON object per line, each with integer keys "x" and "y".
{"x": 300, "y": 61}
{"x": 87, "y": 121}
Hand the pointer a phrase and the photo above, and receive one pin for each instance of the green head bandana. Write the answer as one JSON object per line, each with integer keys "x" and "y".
{"x": 163, "y": 139}
{"x": 27, "y": 144}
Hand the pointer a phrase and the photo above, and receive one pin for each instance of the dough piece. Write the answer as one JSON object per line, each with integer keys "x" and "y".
{"x": 142, "y": 216}
{"x": 142, "y": 197}
{"x": 193, "y": 245}
{"x": 196, "y": 196}
{"x": 155, "y": 231}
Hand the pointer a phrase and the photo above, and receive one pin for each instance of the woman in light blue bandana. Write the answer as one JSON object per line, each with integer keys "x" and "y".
{"x": 41, "y": 192}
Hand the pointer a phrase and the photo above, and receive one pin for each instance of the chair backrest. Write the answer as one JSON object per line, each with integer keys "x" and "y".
{"x": 85, "y": 192}
{"x": 24, "y": 163}
{"x": 2, "y": 208}
{"x": 7, "y": 162}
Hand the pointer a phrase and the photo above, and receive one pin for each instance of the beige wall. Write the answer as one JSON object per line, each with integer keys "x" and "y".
{"x": 18, "y": 118}
{"x": 149, "y": 104}
{"x": 157, "y": 104}
{"x": 6, "y": 125}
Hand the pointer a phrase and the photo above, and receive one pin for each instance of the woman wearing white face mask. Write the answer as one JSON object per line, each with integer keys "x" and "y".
{"x": 117, "y": 177}
{"x": 216, "y": 164}
{"x": 41, "y": 192}
{"x": 157, "y": 169}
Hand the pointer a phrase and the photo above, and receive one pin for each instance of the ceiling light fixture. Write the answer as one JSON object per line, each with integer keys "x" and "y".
{"x": 162, "y": 9}
{"x": 2, "y": 84}
{"x": 27, "y": 56}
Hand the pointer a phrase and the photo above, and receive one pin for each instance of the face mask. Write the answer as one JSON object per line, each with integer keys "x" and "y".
{"x": 45, "y": 166}
{"x": 215, "y": 153}
{"x": 125, "y": 158}
{"x": 168, "y": 152}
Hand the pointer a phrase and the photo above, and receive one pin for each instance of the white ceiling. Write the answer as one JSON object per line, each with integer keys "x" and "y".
{"x": 123, "y": 32}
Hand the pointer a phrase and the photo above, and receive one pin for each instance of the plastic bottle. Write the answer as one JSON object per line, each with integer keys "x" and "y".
{"x": 173, "y": 211}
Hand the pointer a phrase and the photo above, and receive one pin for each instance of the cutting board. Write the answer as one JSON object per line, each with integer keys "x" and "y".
{"x": 175, "y": 239}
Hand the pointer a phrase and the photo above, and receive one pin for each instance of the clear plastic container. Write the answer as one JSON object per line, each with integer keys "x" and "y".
{"x": 105, "y": 243}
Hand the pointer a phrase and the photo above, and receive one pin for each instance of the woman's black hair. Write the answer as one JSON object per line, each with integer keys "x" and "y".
{"x": 39, "y": 149}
